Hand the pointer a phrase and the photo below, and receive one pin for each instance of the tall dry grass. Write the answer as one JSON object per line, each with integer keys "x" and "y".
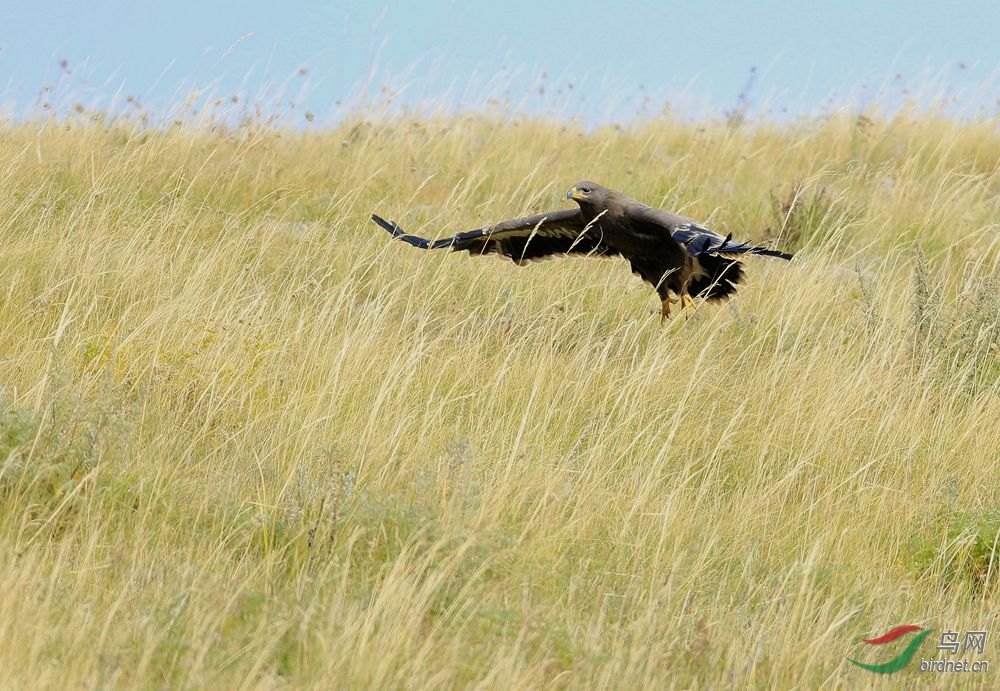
{"x": 248, "y": 441}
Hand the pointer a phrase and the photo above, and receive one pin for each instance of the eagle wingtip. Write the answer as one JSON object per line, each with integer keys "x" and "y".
{"x": 387, "y": 225}
{"x": 777, "y": 254}
{"x": 393, "y": 229}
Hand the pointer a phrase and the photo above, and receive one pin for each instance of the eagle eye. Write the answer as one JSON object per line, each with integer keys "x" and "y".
{"x": 586, "y": 190}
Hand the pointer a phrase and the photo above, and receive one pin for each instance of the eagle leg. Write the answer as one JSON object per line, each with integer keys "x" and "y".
{"x": 686, "y": 301}
{"x": 665, "y": 310}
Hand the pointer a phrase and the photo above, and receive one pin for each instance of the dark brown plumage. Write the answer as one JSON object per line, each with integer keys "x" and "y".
{"x": 672, "y": 253}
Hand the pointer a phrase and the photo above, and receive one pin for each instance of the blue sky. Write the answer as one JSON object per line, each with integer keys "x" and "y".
{"x": 576, "y": 58}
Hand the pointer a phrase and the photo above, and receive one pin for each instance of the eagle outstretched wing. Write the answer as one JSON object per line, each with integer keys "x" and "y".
{"x": 697, "y": 239}
{"x": 700, "y": 240}
{"x": 716, "y": 271}
{"x": 521, "y": 239}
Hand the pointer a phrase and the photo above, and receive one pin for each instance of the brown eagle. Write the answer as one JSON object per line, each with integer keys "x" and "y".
{"x": 672, "y": 253}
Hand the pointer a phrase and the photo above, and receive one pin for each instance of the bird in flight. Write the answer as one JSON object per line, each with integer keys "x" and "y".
{"x": 674, "y": 254}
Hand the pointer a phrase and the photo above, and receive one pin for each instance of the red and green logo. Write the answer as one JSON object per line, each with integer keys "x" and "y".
{"x": 900, "y": 661}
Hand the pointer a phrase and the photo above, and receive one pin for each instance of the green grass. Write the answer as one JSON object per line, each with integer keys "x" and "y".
{"x": 248, "y": 441}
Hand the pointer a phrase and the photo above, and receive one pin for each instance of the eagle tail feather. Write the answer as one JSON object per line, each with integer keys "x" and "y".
{"x": 722, "y": 274}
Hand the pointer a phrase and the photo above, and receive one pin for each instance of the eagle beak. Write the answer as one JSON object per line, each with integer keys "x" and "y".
{"x": 571, "y": 193}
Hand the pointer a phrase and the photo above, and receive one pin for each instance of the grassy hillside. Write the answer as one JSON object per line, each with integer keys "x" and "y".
{"x": 248, "y": 441}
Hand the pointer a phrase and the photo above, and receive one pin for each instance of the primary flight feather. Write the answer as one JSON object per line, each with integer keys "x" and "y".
{"x": 674, "y": 254}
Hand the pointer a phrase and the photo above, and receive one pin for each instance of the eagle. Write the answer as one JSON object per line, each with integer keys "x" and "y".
{"x": 674, "y": 254}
